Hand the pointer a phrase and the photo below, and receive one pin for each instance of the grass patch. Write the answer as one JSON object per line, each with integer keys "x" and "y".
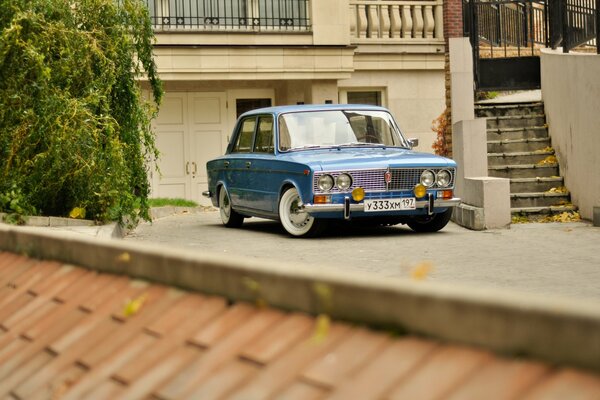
{"x": 162, "y": 202}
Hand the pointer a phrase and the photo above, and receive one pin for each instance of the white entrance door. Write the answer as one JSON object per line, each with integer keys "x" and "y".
{"x": 190, "y": 130}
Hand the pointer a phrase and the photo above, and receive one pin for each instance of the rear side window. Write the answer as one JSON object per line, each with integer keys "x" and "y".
{"x": 243, "y": 142}
{"x": 264, "y": 135}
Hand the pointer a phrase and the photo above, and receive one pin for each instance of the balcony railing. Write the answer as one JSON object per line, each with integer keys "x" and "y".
{"x": 230, "y": 15}
{"x": 373, "y": 20}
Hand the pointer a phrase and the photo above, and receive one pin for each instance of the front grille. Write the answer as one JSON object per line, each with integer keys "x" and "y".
{"x": 373, "y": 180}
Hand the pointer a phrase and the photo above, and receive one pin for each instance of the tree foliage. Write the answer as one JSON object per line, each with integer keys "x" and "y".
{"x": 74, "y": 125}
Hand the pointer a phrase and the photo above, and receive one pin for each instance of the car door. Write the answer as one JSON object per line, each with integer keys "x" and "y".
{"x": 263, "y": 179}
{"x": 237, "y": 165}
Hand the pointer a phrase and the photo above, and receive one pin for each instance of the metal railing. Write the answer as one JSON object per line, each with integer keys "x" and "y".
{"x": 574, "y": 23}
{"x": 230, "y": 15}
{"x": 508, "y": 27}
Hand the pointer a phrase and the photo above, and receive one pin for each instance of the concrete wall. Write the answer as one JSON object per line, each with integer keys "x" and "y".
{"x": 571, "y": 94}
{"x": 415, "y": 97}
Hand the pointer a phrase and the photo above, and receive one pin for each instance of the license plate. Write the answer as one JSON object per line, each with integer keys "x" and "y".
{"x": 405, "y": 203}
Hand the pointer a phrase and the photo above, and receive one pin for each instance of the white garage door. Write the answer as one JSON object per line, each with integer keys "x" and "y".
{"x": 191, "y": 129}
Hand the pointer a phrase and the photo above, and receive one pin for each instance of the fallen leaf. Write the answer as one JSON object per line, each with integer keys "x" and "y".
{"x": 77, "y": 213}
{"x": 322, "y": 324}
{"x": 132, "y": 307}
{"x": 550, "y": 160}
{"x": 124, "y": 257}
{"x": 421, "y": 270}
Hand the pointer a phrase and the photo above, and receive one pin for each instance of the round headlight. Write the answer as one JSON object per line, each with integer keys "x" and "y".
{"x": 443, "y": 178}
{"x": 343, "y": 181}
{"x": 325, "y": 183}
{"x": 427, "y": 178}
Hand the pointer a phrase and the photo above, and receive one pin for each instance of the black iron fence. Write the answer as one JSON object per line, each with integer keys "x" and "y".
{"x": 245, "y": 15}
{"x": 575, "y": 22}
{"x": 506, "y": 27}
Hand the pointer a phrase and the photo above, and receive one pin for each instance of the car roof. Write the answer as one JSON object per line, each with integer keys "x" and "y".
{"x": 277, "y": 110}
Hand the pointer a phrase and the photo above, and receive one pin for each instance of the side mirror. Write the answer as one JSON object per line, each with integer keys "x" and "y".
{"x": 414, "y": 142}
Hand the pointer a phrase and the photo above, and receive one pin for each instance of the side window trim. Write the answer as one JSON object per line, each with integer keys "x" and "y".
{"x": 238, "y": 133}
{"x": 257, "y": 131}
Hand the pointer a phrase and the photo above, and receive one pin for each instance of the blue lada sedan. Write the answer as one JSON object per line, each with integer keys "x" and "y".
{"x": 307, "y": 165}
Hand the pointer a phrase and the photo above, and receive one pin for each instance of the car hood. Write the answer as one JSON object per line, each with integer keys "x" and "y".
{"x": 358, "y": 158}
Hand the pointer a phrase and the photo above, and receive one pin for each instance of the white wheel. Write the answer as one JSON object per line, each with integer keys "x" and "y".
{"x": 295, "y": 221}
{"x": 229, "y": 217}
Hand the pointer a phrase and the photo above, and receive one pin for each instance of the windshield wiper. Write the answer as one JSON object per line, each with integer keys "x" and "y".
{"x": 309, "y": 146}
{"x": 351, "y": 144}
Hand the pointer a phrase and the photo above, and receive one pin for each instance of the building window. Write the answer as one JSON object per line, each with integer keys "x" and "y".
{"x": 372, "y": 97}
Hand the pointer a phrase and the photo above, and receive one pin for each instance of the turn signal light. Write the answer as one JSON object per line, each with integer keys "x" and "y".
{"x": 322, "y": 199}
{"x": 447, "y": 194}
{"x": 420, "y": 190}
{"x": 358, "y": 194}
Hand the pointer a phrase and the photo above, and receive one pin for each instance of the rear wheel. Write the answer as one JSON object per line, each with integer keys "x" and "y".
{"x": 229, "y": 216}
{"x": 430, "y": 223}
{"x": 294, "y": 220}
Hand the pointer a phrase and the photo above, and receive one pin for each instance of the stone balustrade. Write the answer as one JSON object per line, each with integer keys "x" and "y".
{"x": 395, "y": 20}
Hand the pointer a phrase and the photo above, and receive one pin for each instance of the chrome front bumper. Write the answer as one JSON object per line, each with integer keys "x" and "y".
{"x": 348, "y": 207}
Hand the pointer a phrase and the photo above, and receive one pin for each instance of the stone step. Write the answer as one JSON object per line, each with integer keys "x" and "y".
{"x": 517, "y": 145}
{"x": 540, "y": 199}
{"x": 543, "y": 210}
{"x": 499, "y": 110}
{"x": 518, "y": 158}
{"x": 515, "y": 121}
{"x": 523, "y": 171}
{"x": 530, "y": 132}
{"x": 538, "y": 184}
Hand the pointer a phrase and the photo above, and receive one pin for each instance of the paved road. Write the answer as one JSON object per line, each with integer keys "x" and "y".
{"x": 556, "y": 259}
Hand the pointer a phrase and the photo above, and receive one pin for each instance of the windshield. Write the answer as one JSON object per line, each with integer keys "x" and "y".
{"x": 337, "y": 128}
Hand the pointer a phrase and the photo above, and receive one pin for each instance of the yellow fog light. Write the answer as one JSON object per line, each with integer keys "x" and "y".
{"x": 420, "y": 190}
{"x": 358, "y": 194}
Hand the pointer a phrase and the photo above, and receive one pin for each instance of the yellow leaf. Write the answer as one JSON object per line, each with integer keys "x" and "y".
{"x": 560, "y": 189}
{"x": 322, "y": 324}
{"x": 77, "y": 212}
{"x": 421, "y": 270}
{"x": 547, "y": 149}
{"x": 133, "y": 306}
{"x": 548, "y": 161}
{"x": 324, "y": 294}
{"x": 124, "y": 257}
{"x": 254, "y": 287}
{"x": 251, "y": 284}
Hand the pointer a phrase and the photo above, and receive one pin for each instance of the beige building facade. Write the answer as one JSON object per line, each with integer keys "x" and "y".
{"x": 218, "y": 59}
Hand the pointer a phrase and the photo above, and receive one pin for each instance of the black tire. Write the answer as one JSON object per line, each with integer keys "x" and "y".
{"x": 229, "y": 216}
{"x": 430, "y": 223}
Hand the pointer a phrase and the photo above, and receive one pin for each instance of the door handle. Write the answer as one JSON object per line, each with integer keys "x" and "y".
{"x": 226, "y": 164}
{"x": 187, "y": 168}
{"x": 248, "y": 164}
{"x": 195, "y": 167}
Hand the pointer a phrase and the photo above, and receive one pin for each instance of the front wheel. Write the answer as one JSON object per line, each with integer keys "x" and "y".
{"x": 430, "y": 223}
{"x": 229, "y": 216}
{"x": 294, "y": 220}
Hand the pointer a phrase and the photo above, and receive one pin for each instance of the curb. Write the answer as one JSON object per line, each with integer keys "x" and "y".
{"x": 563, "y": 331}
{"x": 88, "y": 227}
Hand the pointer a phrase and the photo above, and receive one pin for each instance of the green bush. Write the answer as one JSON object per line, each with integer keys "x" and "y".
{"x": 74, "y": 126}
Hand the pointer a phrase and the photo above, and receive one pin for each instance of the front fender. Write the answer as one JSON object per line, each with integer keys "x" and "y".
{"x": 302, "y": 185}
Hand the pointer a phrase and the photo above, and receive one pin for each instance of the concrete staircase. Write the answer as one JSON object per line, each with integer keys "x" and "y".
{"x": 519, "y": 148}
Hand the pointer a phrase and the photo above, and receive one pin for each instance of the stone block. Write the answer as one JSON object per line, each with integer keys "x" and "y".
{"x": 469, "y": 217}
{"x": 38, "y": 221}
{"x": 493, "y": 196}
{"x": 469, "y": 150}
